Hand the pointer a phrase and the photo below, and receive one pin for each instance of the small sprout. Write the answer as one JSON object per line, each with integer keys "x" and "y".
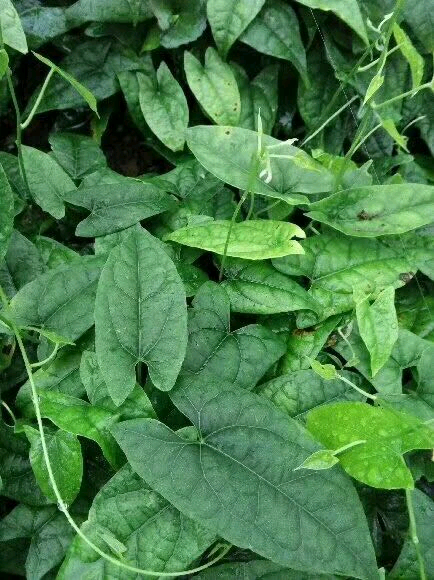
{"x": 322, "y": 459}
{"x": 327, "y": 371}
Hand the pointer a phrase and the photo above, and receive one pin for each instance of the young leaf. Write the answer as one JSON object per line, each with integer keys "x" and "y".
{"x": 378, "y": 326}
{"x": 258, "y": 288}
{"x": 347, "y": 10}
{"x": 64, "y": 451}
{"x": 275, "y": 31}
{"x": 214, "y": 86}
{"x": 60, "y": 300}
{"x": 238, "y": 479}
{"x": 4, "y": 62}
{"x": 118, "y": 206}
{"x": 407, "y": 566}
{"x": 322, "y": 459}
{"x": 388, "y": 434}
{"x": 140, "y": 316}
{"x": 48, "y": 182}
{"x": 11, "y": 29}
{"x": 83, "y": 91}
{"x": 77, "y": 154}
{"x": 251, "y": 240}
{"x": 301, "y": 391}
{"x": 157, "y": 536}
{"x": 215, "y": 354}
{"x": 377, "y": 210}
{"x": 374, "y": 86}
{"x": 229, "y": 153}
{"x": 327, "y": 372}
{"x": 6, "y": 212}
{"x": 49, "y": 534}
{"x": 414, "y": 59}
{"x": 229, "y": 18}
{"x": 164, "y": 106}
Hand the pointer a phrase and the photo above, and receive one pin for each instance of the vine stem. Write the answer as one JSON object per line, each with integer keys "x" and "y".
{"x": 361, "y": 391}
{"x": 32, "y": 113}
{"x": 413, "y": 534}
{"x": 61, "y": 504}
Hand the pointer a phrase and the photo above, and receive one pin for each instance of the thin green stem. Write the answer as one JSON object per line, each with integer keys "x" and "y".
{"x": 374, "y": 62}
{"x": 61, "y": 504}
{"x": 32, "y": 113}
{"x": 409, "y": 93}
{"x": 9, "y": 410}
{"x": 48, "y": 359}
{"x": 3, "y": 298}
{"x": 327, "y": 121}
{"x": 414, "y": 536}
{"x": 358, "y": 389}
{"x": 349, "y": 446}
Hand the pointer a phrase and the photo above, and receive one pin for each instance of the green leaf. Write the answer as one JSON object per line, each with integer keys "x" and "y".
{"x": 389, "y": 126}
{"x": 6, "y": 212}
{"x": 388, "y": 434}
{"x": 60, "y": 300}
{"x": 251, "y": 240}
{"x": 215, "y": 353}
{"x": 258, "y": 96}
{"x": 322, "y": 459}
{"x": 64, "y": 451}
{"x": 4, "y": 62}
{"x": 156, "y": 535}
{"x": 377, "y": 210}
{"x": 260, "y": 289}
{"x": 19, "y": 483}
{"x": 327, "y": 371}
{"x": 407, "y": 566}
{"x": 230, "y": 153}
{"x": 83, "y": 91}
{"x": 410, "y": 53}
{"x": 336, "y": 264}
{"x": 48, "y": 182}
{"x": 140, "y": 316}
{"x": 421, "y": 26}
{"x": 275, "y": 31}
{"x": 77, "y": 154}
{"x": 229, "y": 18}
{"x": 81, "y": 418}
{"x": 347, "y": 10}
{"x": 53, "y": 253}
{"x": 181, "y": 22}
{"x": 11, "y": 30}
{"x": 374, "y": 86}
{"x": 164, "y": 107}
{"x": 108, "y": 11}
{"x": 117, "y": 206}
{"x": 301, "y": 391}
{"x": 238, "y": 479}
{"x": 257, "y": 570}
{"x": 23, "y": 263}
{"x": 378, "y": 326}
{"x": 214, "y": 86}
{"x": 49, "y": 532}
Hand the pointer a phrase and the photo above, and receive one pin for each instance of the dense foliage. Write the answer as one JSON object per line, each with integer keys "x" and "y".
{"x": 216, "y": 283}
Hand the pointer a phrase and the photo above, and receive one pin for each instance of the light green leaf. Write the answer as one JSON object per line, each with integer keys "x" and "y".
{"x": 275, "y": 31}
{"x": 164, "y": 106}
{"x": 389, "y": 126}
{"x": 258, "y": 288}
{"x": 81, "y": 418}
{"x": 414, "y": 59}
{"x": 48, "y": 182}
{"x": 157, "y": 536}
{"x": 77, "y": 154}
{"x": 251, "y": 240}
{"x": 229, "y": 18}
{"x": 11, "y": 29}
{"x": 336, "y": 264}
{"x": 347, "y": 10}
{"x": 140, "y": 316}
{"x": 258, "y": 96}
{"x": 6, "y": 212}
{"x": 19, "y": 483}
{"x": 374, "y": 86}
{"x": 83, "y": 91}
{"x": 257, "y": 570}
{"x": 378, "y": 326}
{"x": 301, "y": 391}
{"x": 49, "y": 532}
{"x": 326, "y": 371}
{"x": 230, "y": 153}
{"x": 322, "y": 459}
{"x": 215, "y": 353}
{"x": 4, "y": 62}
{"x": 118, "y": 206}
{"x": 238, "y": 479}
{"x": 407, "y": 566}
{"x": 60, "y": 300}
{"x": 214, "y": 86}
{"x": 388, "y": 434}
{"x": 377, "y": 210}
{"x": 64, "y": 451}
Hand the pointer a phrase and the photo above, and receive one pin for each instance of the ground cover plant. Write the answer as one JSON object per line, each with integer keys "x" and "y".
{"x": 216, "y": 287}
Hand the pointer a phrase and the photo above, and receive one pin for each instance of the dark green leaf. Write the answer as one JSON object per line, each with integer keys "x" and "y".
{"x": 23, "y": 263}
{"x": 77, "y": 154}
{"x": 6, "y": 212}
